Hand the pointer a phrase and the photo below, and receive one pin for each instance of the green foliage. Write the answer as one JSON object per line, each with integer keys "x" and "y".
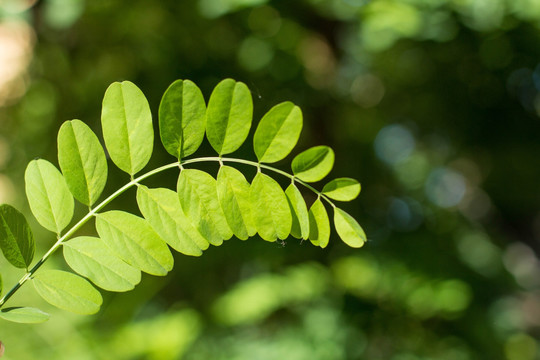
{"x": 127, "y": 126}
{"x": 342, "y": 189}
{"x": 134, "y": 241}
{"x": 202, "y": 211}
{"x": 24, "y": 315}
{"x": 90, "y": 257}
{"x": 319, "y": 224}
{"x": 67, "y": 291}
{"x": 16, "y": 239}
{"x": 313, "y": 164}
{"x": 278, "y": 132}
{"x": 270, "y": 207}
{"x": 82, "y": 161}
{"x": 229, "y": 115}
{"x": 48, "y": 195}
{"x": 233, "y": 193}
{"x": 182, "y": 118}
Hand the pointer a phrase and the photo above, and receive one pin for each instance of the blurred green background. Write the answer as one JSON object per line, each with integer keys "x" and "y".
{"x": 434, "y": 105}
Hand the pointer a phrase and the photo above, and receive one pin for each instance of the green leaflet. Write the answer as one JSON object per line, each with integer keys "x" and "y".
{"x": 198, "y": 196}
{"x": 1, "y": 284}
{"x": 229, "y": 115}
{"x": 342, "y": 189}
{"x": 82, "y": 161}
{"x": 278, "y": 132}
{"x": 299, "y": 212}
{"x": 161, "y": 208}
{"x": 91, "y": 258}
{"x": 313, "y": 164}
{"x": 348, "y": 229}
{"x": 67, "y": 291}
{"x": 233, "y": 194}
{"x": 182, "y": 118}
{"x": 270, "y": 208}
{"x": 133, "y": 240}
{"x": 16, "y": 239}
{"x": 24, "y": 315}
{"x": 127, "y": 126}
{"x": 48, "y": 194}
{"x": 319, "y": 224}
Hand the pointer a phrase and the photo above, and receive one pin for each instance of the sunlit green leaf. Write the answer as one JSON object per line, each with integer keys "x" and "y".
{"x": 319, "y": 224}
{"x": 82, "y": 161}
{"x": 67, "y": 291}
{"x": 270, "y": 208}
{"x": 16, "y": 239}
{"x": 127, "y": 126}
{"x": 278, "y": 132}
{"x": 299, "y": 212}
{"x": 1, "y": 284}
{"x": 133, "y": 240}
{"x": 161, "y": 208}
{"x": 50, "y": 200}
{"x": 229, "y": 115}
{"x": 197, "y": 192}
{"x": 182, "y": 118}
{"x": 91, "y": 258}
{"x": 342, "y": 189}
{"x": 313, "y": 164}
{"x": 24, "y": 315}
{"x": 233, "y": 194}
{"x": 348, "y": 229}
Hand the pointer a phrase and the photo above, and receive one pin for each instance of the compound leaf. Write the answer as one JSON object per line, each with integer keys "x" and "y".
{"x": 127, "y": 126}
{"x": 182, "y": 118}
{"x": 91, "y": 258}
{"x": 313, "y": 164}
{"x": 82, "y": 161}
{"x": 197, "y": 192}
{"x": 342, "y": 189}
{"x": 24, "y": 315}
{"x": 299, "y": 212}
{"x": 319, "y": 224}
{"x": 348, "y": 229}
{"x": 229, "y": 115}
{"x": 277, "y": 132}
{"x": 50, "y": 200}
{"x": 161, "y": 208}
{"x": 133, "y": 240}
{"x": 233, "y": 194}
{"x": 16, "y": 239}
{"x": 67, "y": 291}
{"x": 270, "y": 208}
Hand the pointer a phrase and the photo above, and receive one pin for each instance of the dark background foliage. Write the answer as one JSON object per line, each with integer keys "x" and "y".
{"x": 433, "y": 105}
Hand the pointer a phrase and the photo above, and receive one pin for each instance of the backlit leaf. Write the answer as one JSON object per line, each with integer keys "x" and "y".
{"x": 233, "y": 194}
{"x": 278, "y": 132}
{"x": 229, "y": 115}
{"x": 133, "y": 240}
{"x": 91, "y": 258}
{"x": 82, "y": 161}
{"x": 50, "y": 200}
{"x": 24, "y": 315}
{"x": 161, "y": 208}
{"x": 313, "y": 164}
{"x": 16, "y": 239}
{"x": 67, "y": 291}
{"x": 319, "y": 224}
{"x": 127, "y": 126}
{"x": 348, "y": 229}
{"x": 299, "y": 212}
{"x": 182, "y": 118}
{"x": 342, "y": 189}
{"x": 197, "y": 192}
{"x": 270, "y": 208}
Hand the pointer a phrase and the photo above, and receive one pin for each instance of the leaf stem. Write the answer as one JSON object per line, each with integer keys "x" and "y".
{"x": 135, "y": 181}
